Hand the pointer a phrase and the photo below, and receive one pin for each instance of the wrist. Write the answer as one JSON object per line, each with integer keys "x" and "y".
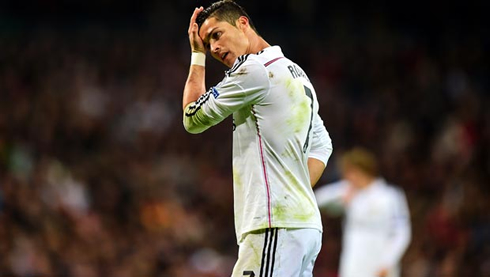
{"x": 198, "y": 58}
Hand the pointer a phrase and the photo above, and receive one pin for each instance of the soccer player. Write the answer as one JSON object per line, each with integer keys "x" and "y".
{"x": 376, "y": 230}
{"x": 280, "y": 145}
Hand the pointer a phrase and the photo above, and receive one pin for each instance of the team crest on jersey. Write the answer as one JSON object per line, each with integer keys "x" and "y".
{"x": 214, "y": 92}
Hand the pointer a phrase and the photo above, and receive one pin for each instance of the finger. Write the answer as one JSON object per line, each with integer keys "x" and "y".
{"x": 192, "y": 20}
{"x": 194, "y": 17}
{"x": 195, "y": 14}
{"x": 193, "y": 30}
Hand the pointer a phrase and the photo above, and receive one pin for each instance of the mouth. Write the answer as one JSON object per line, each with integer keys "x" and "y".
{"x": 223, "y": 56}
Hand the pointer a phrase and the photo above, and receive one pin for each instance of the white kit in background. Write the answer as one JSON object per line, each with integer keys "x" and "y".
{"x": 376, "y": 226}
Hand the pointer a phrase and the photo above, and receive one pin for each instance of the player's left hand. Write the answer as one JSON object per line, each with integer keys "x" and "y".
{"x": 196, "y": 42}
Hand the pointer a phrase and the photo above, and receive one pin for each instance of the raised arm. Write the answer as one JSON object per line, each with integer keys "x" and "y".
{"x": 195, "y": 84}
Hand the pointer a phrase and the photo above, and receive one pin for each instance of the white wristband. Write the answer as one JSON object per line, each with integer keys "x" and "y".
{"x": 198, "y": 58}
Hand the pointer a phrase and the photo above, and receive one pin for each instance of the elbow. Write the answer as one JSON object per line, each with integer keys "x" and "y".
{"x": 190, "y": 124}
{"x": 193, "y": 131}
{"x": 196, "y": 122}
{"x": 192, "y": 128}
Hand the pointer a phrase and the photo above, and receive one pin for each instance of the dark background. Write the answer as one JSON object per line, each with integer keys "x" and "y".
{"x": 99, "y": 178}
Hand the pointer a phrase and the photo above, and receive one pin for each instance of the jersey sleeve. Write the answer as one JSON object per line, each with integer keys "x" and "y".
{"x": 321, "y": 143}
{"x": 401, "y": 230}
{"x": 245, "y": 84}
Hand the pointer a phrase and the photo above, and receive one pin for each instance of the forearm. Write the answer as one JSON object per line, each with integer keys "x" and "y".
{"x": 194, "y": 86}
{"x": 316, "y": 168}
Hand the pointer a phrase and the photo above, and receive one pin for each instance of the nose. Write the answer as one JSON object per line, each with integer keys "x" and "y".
{"x": 214, "y": 48}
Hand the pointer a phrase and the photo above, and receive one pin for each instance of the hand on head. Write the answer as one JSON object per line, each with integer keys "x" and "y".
{"x": 195, "y": 41}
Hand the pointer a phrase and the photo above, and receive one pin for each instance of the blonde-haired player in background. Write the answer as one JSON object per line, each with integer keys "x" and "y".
{"x": 376, "y": 231}
{"x": 280, "y": 145}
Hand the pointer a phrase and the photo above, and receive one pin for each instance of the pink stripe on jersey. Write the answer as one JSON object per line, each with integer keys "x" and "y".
{"x": 271, "y": 61}
{"x": 267, "y": 185}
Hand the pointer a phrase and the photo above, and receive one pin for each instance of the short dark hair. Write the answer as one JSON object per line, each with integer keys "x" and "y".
{"x": 225, "y": 10}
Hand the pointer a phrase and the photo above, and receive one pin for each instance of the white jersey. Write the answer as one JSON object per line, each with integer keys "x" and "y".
{"x": 276, "y": 129}
{"x": 376, "y": 228}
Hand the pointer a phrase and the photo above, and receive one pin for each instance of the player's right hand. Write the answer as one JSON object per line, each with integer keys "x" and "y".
{"x": 195, "y": 41}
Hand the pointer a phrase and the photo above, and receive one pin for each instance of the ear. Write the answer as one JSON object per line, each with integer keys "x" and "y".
{"x": 242, "y": 23}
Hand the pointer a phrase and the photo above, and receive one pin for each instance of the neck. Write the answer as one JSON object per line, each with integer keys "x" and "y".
{"x": 257, "y": 43}
{"x": 365, "y": 182}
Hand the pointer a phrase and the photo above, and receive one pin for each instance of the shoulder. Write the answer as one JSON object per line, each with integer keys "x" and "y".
{"x": 395, "y": 189}
{"x": 381, "y": 186}
{"x": 248, "y": 71}
{"x": 257, "y": 61}
{"x": 245, "y": 62}
{"x": 396, "y": 193}
{"x": 239, "y": 63}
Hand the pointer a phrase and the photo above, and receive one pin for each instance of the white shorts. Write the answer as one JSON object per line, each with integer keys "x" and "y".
{"x": 278, "y": 252}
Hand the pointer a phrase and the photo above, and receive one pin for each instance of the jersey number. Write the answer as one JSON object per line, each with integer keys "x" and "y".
{"x": 307, "y": 142}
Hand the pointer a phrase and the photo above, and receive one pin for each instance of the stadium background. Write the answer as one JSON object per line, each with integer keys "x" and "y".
{"x": 99, "y": 178}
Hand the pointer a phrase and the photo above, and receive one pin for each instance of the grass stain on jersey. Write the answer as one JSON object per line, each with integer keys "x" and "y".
{"x": 293, "y": 210}
{"x": 242, "y": 71}
{"x": 283, "y": 213}
{"x": 237, "y": 178}
{"x": 292, "y": 179}
{"x": 288, "y": 154}
{"x": 300, "y": 108}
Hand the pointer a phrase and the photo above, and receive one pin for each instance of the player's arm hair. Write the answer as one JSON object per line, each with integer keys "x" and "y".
{"x": 316, "y": 168}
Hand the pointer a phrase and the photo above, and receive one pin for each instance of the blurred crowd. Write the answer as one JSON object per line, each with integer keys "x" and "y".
{"x": 99, "y": 178}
